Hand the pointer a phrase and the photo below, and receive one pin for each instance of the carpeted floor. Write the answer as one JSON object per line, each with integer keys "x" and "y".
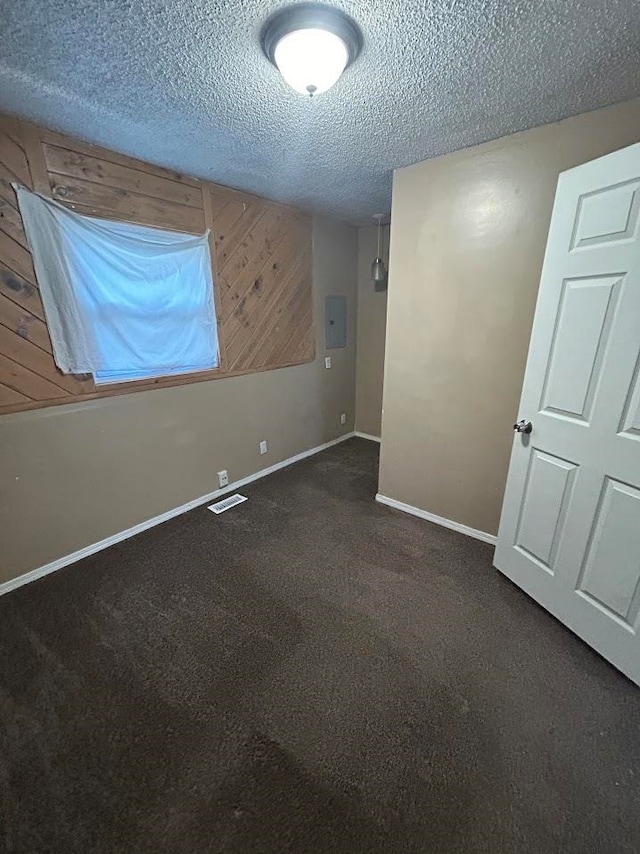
{"x": 308, "y": 672}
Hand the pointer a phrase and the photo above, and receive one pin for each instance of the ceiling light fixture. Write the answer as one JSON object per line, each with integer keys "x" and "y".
{"x": 311, "y": 45}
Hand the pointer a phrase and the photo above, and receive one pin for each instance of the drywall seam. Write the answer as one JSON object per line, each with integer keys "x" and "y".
{"x": 439, "y": 520}
{"x": 61, "y": 562}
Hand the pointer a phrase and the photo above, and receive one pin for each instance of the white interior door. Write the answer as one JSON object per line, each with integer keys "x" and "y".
{"x": 570, "y": 528}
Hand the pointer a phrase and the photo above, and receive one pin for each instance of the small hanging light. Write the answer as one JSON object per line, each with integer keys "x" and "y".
{"x": 311, "y": 45}
{"x": 378, "y": 270}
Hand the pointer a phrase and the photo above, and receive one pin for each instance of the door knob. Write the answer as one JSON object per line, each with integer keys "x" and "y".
{"x": 523, "y": 426}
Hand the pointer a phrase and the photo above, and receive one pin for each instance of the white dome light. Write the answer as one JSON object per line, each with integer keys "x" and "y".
{"x": 311, "y": 45}
{"x": 311, "y": 61}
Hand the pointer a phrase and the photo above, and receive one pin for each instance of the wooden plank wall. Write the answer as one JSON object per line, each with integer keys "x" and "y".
{"x": 261, "y": 255}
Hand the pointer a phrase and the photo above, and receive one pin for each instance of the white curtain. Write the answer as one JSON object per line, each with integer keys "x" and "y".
{"x": 121, "y": 300}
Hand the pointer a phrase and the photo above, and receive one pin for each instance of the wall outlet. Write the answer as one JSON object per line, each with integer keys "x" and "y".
{"x": 327, "y": 361}
{"x": 223, "y": 478}
{"x": 264, "y": 447}
{"x": 343, "y": 418}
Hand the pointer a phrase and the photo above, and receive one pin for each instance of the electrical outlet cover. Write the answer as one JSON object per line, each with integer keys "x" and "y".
{"x": 223, "y": 478}
{"x": 327, "y": 361}
{"x": 264, "y": 447}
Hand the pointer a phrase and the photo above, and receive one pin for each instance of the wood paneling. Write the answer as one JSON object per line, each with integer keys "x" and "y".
{"x": 24, "y": 324}
{"x": 13, "y": 157}
{"x": 75, "y": 164}
{"x": 10, "y": 397}
{"x": 102, "y": 200}
{"x": 261, "y": 257}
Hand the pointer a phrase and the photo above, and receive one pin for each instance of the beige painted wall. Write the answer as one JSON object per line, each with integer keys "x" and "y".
{"x": 372, "y": 323}
{"x": 467, "y": 241}
{"x": 71, "y": 476}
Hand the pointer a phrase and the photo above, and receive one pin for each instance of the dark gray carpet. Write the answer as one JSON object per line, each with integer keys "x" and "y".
{"x": 309, "y": 672}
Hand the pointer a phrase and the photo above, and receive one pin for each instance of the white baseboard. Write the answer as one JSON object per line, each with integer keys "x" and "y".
{"x": 61, "y": 562}
{"x": 367, "y": 436}
{"x": 439, "y": 520}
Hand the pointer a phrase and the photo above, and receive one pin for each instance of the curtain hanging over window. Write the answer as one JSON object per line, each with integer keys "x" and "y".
{"x": 122, "y": 301}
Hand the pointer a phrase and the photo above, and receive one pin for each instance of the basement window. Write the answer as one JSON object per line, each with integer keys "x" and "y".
{"x": 123, "y": 302}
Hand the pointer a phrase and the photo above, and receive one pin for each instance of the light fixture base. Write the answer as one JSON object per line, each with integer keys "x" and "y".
{"x": 306, "y": 16}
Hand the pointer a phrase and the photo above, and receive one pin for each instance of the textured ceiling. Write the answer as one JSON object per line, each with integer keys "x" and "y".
{"x": 185, "y": 85}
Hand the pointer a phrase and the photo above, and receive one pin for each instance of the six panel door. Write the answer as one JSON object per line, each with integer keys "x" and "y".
{"x": 570, "y": 527}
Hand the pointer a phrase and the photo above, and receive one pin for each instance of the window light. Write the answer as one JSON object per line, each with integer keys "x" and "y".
{"x": 122, "y": 301}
